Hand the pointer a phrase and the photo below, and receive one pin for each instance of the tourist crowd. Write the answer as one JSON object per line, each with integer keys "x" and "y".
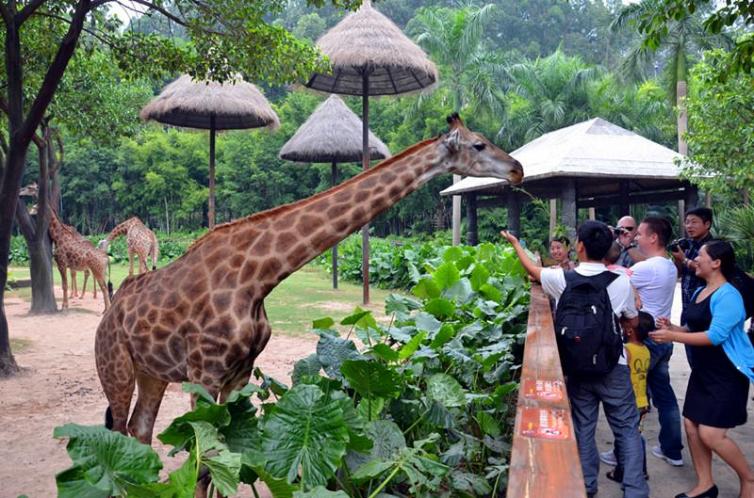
{"x": 615, "y": 338}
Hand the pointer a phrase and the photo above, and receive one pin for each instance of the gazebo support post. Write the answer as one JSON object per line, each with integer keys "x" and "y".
{"x": 553, "y": 215}
{"x": 568, "y": 206}
{"x": 514, "y": 213}
{"x": 365, "y": 166}
{"x": 211, "y": 207}
{"x": 334, "y": 181}
{"x": 456, "y": 224}
{"x": 472, "y": 236}
{"x": 692, "y": 196}
{"x": 625, "y": 203}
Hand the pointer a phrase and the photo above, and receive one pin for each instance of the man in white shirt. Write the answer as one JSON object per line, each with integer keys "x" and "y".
{"x": 654, "y": 280}
{"x": 612, "y": 389}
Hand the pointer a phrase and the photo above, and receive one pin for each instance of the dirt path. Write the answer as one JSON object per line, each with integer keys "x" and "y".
{"x": 59, "y": 384}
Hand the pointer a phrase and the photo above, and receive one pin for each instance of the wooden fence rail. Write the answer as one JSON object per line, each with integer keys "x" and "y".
{"x": 544, "y": 459}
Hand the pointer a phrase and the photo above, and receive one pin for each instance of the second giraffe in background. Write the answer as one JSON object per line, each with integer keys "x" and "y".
{"x": 141, "y": 241}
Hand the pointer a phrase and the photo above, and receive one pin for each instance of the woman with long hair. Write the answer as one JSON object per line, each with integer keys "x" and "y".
{"x": 719, "y": 383}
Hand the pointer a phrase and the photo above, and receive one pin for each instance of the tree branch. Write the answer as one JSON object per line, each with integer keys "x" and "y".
{"x": 152, "y": 6}
{"x": 27, "y": 11}
{"x": 97, "y": 36}
{"x": 6, "y": 14}
{"x": 54, "y": 74}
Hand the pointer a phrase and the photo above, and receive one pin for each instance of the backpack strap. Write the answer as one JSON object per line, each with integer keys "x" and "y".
{"x": 599, "y": 281}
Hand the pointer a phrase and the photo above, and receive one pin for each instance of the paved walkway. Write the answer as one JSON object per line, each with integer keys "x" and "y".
{"x": 666, "y": 481}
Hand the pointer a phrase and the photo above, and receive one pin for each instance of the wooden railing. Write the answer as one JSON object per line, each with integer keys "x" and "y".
{"x": 545, "y": 459}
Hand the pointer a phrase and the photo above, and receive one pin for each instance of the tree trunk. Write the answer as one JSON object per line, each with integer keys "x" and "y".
{"x": 683, "y": 117}
{"x": 21, "y": 130}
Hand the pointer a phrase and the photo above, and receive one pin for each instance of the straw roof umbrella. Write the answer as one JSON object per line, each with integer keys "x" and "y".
{"x": 370, "y": 55}
{"x": 332, "y": 134}
{"x": 212, "y": 106}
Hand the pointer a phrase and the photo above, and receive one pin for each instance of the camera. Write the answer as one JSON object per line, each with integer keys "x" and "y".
{"x": 682, "y": 244}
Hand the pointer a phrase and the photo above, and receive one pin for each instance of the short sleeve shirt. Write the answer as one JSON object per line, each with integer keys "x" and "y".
{"x": 654, "y": 279}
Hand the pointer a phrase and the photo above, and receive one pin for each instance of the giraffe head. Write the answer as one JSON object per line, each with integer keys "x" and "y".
{"x": 470, "y": 154}
{"x": 31, "y": 190}
{"x": 103, "y": 244}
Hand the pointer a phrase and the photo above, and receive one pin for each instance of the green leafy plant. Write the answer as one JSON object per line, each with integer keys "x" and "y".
{"x": 423, "y": 409}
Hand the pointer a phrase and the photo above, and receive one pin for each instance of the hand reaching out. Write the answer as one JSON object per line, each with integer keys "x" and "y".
{"x": 509, "y": 237}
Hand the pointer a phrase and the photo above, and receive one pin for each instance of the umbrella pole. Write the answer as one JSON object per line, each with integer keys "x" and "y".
{"x": 335, "y": 247}
{"x": 211, "y": 209}
{"x": 365, "y": 166}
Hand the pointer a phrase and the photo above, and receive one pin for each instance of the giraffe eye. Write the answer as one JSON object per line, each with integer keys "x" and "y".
{"x": 480, "y": 146}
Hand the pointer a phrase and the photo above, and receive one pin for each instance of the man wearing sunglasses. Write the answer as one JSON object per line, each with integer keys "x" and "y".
{"x": 625, "y": 232}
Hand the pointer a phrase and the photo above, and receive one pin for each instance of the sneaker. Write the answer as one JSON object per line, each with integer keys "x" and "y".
{"x": 608, "y": 457}
{"x": 657, "y": 451}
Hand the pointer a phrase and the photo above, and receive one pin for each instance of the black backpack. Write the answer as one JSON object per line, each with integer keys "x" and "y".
{"x": 588, "y": 334}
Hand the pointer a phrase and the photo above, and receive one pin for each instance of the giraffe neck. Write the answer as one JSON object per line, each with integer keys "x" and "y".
{"x": 279, "y": 241}
{"x": 56, "y": 229}
{"x": 120, "y": 229}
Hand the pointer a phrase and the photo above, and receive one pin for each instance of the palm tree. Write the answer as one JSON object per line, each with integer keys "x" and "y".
{"x": 685, "y": 39}
{"x": 454, "y": 38}
{"x": 545, "y": 94}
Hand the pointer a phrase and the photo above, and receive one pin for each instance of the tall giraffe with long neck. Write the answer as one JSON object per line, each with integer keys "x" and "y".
{"x": 75, "y": 254}
{"x": 140, "y": 240}
{"x": 202, "y": 318}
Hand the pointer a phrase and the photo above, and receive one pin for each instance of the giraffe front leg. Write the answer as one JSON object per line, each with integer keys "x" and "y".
{"x": 142, "y": 263}
{"x": 83, "y": 286}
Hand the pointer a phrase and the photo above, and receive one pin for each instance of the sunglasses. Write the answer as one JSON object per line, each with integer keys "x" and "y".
{"x": 630, "y": 229}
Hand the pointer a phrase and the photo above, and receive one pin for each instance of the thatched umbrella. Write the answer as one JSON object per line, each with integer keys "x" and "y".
{"x": 332, "y": 134}
{"x": 208, "y": 105}
{"x": 370, "y": 55}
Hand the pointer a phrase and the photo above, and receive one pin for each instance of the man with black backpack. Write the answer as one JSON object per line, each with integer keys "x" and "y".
{"x": 590, "y": 302}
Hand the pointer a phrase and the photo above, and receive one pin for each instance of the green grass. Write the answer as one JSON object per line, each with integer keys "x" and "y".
{"x": 18, "y": 345}
{"x": 291, "y": 307}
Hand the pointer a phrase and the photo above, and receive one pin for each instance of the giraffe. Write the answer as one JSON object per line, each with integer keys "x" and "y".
{"x": 202, "y": 318}
{"x": 71, "y": 252}
{"x": 141, "y": 242}
{"x": 32, "y": 190}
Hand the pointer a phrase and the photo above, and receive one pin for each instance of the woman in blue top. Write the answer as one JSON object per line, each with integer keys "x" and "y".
{"x": 719, "y": 383}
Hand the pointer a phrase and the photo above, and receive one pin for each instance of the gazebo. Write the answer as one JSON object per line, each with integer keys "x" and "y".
{"x": 587, "y": 165}
{"x": 332, "y": 134}
{"x": 370, "y": 55}
{"x": 213, "y": 106}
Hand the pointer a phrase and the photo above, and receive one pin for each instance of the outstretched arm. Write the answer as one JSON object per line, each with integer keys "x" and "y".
{"x": 534, "y": 270}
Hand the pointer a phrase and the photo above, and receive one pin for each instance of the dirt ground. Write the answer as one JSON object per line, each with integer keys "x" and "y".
{"x": 59, "y": 384}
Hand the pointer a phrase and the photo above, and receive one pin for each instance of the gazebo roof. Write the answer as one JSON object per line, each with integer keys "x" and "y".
{"x": 591, "y": 149}
{"x": 331, "y": 134}
{"x": 367, "y": 40}
{"x": 235, "y": 105}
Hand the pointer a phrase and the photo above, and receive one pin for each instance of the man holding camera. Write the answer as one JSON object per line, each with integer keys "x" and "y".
{"x": 697, "y": 223}
{"x": 625, "y": 234}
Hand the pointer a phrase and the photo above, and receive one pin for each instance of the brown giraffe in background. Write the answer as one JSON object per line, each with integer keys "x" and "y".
{"x": 202, "y": 319}
{"x": 141, "y": 242}
{"x": 32, "y": 190}
{"x": 72, "y": 253}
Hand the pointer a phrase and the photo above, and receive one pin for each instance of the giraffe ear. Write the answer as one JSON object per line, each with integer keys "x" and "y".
{"x": 453, "y": 140}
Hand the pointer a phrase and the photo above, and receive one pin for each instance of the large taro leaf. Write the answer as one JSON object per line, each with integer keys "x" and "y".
{"x": 320, "y": 492}
{"x": 103, "y": 461}
{"x": 333, "y": 351}
{"x": 253, "y": 468}
{"x": 440, "y": 308}
{"x": 470, "y": 484}
{"x": 371, "y": 379}
{"x": 224, "y": 466}
{"x": 305, "y": 433}
{"x": 180, "y": 434}
{"x": 388, "y": 441}
{"x": 306, "y": 368}
{"x": 446, "y": 275}
{"x": 445, "y": 390}
{"x": 181, "y": 484}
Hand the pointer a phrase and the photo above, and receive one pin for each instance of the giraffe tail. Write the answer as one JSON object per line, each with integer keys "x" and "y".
{"x": 109, "y": 418}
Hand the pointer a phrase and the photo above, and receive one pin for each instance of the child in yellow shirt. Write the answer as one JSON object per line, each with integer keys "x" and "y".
{"x": 637, "y": 356}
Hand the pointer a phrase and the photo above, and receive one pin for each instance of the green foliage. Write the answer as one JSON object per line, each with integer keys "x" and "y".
{"x": 424, "y": 410}
{"x": 721, "y": 128}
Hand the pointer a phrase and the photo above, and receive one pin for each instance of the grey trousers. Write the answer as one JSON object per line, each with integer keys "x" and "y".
{"x": 617, "y": 396}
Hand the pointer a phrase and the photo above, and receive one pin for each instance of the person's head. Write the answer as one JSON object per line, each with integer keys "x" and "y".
{"x": 716, "y": 257}
{"x": 559, "y": 247}
{"x": 594, "y": 240}
{"x": 646, "y": 325}
{"x": 626, "y": 230}
{"x": 613, "y": 254}
{"x": 698, "y": 222}
{"x": 653, "y": 235}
